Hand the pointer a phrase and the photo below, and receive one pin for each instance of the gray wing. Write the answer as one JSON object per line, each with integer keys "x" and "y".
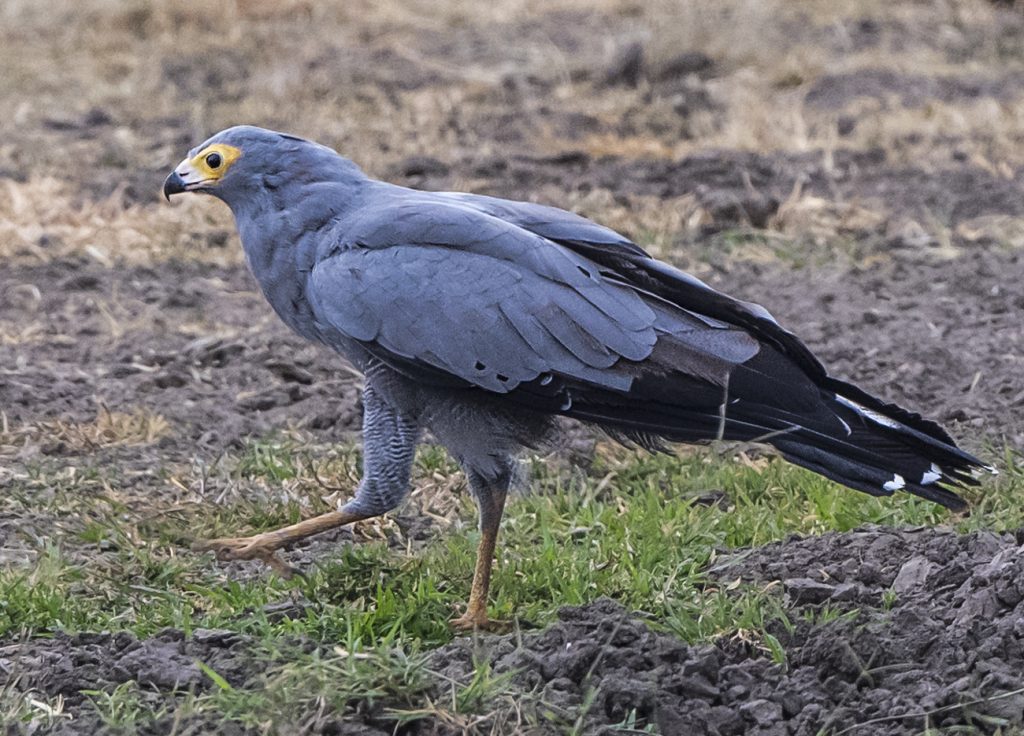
{"x": 498, "y": 292}
{"x": 482, "y": 299}
{"x": 558, "y": 225}
{"x": 575, "y": 231}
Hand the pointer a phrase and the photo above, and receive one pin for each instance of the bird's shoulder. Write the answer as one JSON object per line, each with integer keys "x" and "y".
{"x": 391, "y": 216}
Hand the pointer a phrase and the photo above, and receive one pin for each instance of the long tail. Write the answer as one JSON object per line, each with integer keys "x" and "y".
{"x": 878, "y": 454}
{"x": 782, "y": 396}
{"x": 830, "y": 427}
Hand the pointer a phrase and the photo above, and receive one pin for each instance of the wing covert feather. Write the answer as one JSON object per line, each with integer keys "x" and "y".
{"x": 487, "y": 321}
{"x": 463, "y": 291}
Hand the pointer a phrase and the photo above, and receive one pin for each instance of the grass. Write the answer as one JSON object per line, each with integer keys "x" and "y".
{"x": 297, "y": 684}
{"x": 564, "y": 543}
{"x": 312, "y": 68}
{"x": 102, "y": 528}
{"x": 628, "y": 528}
{"x": 109, "y": 429}
{"x": 123, "y": 707}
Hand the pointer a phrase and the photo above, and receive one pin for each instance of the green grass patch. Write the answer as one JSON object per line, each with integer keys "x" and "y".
{"x": 630, "y": 528}
{"x": 297, "y": 684}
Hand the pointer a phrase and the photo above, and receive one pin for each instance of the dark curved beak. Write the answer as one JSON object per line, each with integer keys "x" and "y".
{"x": 173, "y": 184}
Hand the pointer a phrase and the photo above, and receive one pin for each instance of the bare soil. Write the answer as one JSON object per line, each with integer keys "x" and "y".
{"x": 190, "y": 342}
{"x": 890, "y": 632}
{"x": 163, "y": 666}
{"x": 884, "y": 227}
{"x": 945, "y": 651}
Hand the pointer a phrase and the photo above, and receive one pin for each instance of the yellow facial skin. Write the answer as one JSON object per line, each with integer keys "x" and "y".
{"x": 207, "y": 167}
{"x": 202, "y": 162}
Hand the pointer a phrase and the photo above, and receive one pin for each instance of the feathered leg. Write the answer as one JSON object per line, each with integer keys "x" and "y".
{"x": 389, "y": 445}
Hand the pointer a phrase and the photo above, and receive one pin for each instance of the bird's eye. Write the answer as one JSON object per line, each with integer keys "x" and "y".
{"x": 213, "y": 160}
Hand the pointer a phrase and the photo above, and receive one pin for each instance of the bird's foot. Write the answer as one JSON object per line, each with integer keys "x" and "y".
{"x": 479, "y": 621}
{"x": 263, "y": 547}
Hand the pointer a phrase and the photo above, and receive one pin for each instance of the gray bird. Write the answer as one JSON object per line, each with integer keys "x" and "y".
{"x": 483, "y": 319}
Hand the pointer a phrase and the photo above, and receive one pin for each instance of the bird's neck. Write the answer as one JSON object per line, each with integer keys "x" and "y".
{"x": 280, "y": 232}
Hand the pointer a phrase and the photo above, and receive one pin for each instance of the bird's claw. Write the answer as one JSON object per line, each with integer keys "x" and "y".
{"x": 228, "y": 549}
{"x": 468, "y": 623}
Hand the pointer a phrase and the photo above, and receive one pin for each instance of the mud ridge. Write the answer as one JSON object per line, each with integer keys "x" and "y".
{"x": 891, "y": 631}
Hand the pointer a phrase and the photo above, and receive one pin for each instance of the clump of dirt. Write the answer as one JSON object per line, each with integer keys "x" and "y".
{"x": 931, "y": 636}
{"x": 934, "y": 623}
{"x": 165, "y": 665}
{"x": 890, "y": 632}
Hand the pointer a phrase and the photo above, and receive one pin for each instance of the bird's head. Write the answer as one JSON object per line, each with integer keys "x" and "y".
{"x": 237, "y": 164}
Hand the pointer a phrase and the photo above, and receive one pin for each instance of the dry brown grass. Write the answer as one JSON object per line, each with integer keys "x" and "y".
{"x": 108, "y": 429}
{"x": 44, "y": 218}
{"x": 381, "y": 81}
{"x": 771, "y": 52}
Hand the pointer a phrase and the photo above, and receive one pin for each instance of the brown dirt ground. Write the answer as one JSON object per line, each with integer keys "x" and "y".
{"x": 855, "y": 662}
{"x": 858, "y": 170}
{"x": 944, "y": 651}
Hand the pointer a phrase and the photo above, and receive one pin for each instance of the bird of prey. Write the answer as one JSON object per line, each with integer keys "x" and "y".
{"x": 483, "y": 319}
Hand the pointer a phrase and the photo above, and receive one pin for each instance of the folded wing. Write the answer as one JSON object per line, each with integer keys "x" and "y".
{"x": 451, "y": 289}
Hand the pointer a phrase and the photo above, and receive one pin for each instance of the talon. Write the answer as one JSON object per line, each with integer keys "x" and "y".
{"x": 248, "y": 548}
{"x": 479, "y": 622}
{"x": 266, "y": 546}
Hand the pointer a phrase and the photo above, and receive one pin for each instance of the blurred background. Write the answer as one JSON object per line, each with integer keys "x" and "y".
{"x": 857, "y": 166}
{"x": 106, "y": 94}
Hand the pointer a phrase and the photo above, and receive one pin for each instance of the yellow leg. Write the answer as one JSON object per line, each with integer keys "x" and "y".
{"x": 475, "y": 616}
{"x": 265, "y": 546}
